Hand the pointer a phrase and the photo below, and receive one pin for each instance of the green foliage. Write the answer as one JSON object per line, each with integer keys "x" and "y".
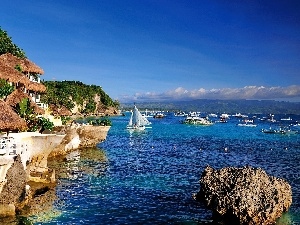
{"x": 5, "y": 88}
{"x": 45, "y": 123}
{"x": 23, "y": 108}
{"x": 90, "y": 107}
{"x": 18, "y": 67}
{"x": 66, "y": 93}
{"x": 101, "y": 122}
{"x": 65, "y": 119}
{"x": 7, "y": 46}
{"x": 38, "y": 123}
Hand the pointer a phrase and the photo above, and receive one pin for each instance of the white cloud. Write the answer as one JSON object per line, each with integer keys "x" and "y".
{"x": 247, "y": 92}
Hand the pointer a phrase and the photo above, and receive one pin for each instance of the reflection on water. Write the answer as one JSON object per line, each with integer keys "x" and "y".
{"x": 88, "y": 161}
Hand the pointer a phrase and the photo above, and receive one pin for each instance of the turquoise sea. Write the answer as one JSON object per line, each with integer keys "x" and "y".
{"x": 149, "y": 177}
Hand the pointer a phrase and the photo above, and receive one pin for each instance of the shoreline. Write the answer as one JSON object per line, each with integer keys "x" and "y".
{"x": 29, "y": 164}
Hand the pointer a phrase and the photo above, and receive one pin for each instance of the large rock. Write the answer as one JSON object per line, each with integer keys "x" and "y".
{"x": 79, "y": 136}
{"x": 13, "y": 191}
{"x": 244, "y": 195}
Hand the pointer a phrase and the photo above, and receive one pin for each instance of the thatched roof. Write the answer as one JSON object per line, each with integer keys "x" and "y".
{"x": 17, "y": 96}
{"x": 12, "y": 75}
{"x": 65, "y": 112}
{"x": 59, "y": 111}
{"x": 37, "y": 87}
{"x": 9, "y": 120}
{"x": 26, "y": 64}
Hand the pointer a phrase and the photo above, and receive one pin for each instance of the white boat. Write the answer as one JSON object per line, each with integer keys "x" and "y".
{"x": 137, "y": 121}
{"x": 247, "y": 123}
{"x": 286, "y": 119}
{"x": 145, "y": 114}
{"x": 224, "y": 115}
{"x": 196, "y": 120}
{"x": 180, "y": 113}
{"x": 159, "y": 115}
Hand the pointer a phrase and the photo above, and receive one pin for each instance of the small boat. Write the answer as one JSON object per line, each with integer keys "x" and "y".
{"x": 180, "y": 113}
{"x": 247, "y": 123}
{"x": 137, "y": 121}
{"x": 281, "y": 130}
{"x": 145, "y": 114}
{"x": 222, "y": 120}
{"x": 159, "y": 115}
{"x": 212, "y": 115}
{"x": 286, "y": 119}
{"x": 239, "y": 115}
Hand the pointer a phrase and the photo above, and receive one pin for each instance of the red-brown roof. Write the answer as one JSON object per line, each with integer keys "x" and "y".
{"x": 59, "y": 111}
{"x": 37, "y": 87}
{"x": 12, "y": 75}
{"x": 17, "y": 96}
{"x": 26, "y": 64}
{"x": 9, "y": 120}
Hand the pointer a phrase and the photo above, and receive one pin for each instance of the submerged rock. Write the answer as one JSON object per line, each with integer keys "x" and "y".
{"x": 244, "y": 195}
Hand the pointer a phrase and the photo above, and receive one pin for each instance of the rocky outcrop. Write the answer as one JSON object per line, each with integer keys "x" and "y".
{"x": 79, "y": 136}
{"x": 19, "y": 196}
{"x": 14, "y": 189}
{"x": 244, "y": 195}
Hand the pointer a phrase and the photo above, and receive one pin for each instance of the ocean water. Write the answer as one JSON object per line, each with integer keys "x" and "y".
{"x": 149, "y": 177}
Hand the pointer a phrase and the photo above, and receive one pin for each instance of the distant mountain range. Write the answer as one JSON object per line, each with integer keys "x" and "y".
{"x": 222, "y": 106}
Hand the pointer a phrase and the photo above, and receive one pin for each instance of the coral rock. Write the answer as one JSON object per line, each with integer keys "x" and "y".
{"x": 244, "y": 195}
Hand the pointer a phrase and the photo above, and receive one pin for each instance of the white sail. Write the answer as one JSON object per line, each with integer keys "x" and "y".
{"x": 130, "y": 120}
{"x": 137, "y": 120}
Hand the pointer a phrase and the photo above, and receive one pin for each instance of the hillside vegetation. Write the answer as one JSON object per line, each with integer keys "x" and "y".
{"x": 87, "y": 99}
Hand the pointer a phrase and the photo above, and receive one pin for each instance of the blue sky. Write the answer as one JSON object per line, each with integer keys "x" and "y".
{"x": 147, "y": 50}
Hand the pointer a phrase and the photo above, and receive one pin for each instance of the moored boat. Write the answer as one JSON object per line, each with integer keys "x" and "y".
{"x": 281, "y": 130}
{"x": 196, "y": 120}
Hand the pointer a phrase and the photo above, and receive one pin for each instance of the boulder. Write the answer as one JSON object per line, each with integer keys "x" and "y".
{"x": 244, "y": 195}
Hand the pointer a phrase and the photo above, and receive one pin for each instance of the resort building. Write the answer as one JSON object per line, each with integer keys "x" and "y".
{"x": 26, "y": 74}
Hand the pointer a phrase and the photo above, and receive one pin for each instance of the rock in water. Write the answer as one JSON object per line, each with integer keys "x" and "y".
{"x": 244, "y": 195}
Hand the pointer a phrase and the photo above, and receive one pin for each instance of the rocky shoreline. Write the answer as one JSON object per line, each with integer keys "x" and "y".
{"x": 27, "y": 183}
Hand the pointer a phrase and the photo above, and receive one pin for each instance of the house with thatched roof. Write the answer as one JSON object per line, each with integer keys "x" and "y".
{"x": 13, "y": 76}
{"x": 9, "y": 120}
{"x": 17, "y": 96}
{"x": 30, "y": 73}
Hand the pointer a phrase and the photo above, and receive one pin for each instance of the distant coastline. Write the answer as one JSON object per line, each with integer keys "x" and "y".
{"x": 222, "y": 106}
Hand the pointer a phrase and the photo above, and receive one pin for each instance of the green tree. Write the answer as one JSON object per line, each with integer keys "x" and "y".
{"x": 67, "y": 93}
{"x": 7, "y": 46}
{"x": 5, "y": 89}
{"x": 24, "y": 109}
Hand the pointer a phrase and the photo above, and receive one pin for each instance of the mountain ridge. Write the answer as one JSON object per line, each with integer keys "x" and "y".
{"x": 222, "y": 106}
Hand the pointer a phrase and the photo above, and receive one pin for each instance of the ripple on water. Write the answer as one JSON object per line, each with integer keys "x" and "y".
{"x": 149, "y": 177}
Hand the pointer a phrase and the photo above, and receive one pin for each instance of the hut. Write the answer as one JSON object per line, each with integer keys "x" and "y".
{"x": 25, "y": 64}
{"x": 29, "y": 71}
{"x": 60, "y": 111}
{"x": 17, "y": 96}
{"x": 9, "y": 120}
{"x": 13, "y": 76}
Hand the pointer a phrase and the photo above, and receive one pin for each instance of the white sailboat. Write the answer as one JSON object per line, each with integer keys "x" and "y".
{"x": 137, "y": 120}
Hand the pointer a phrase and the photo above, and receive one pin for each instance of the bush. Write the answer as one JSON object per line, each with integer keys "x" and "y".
{"x": 101, "y": 122}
